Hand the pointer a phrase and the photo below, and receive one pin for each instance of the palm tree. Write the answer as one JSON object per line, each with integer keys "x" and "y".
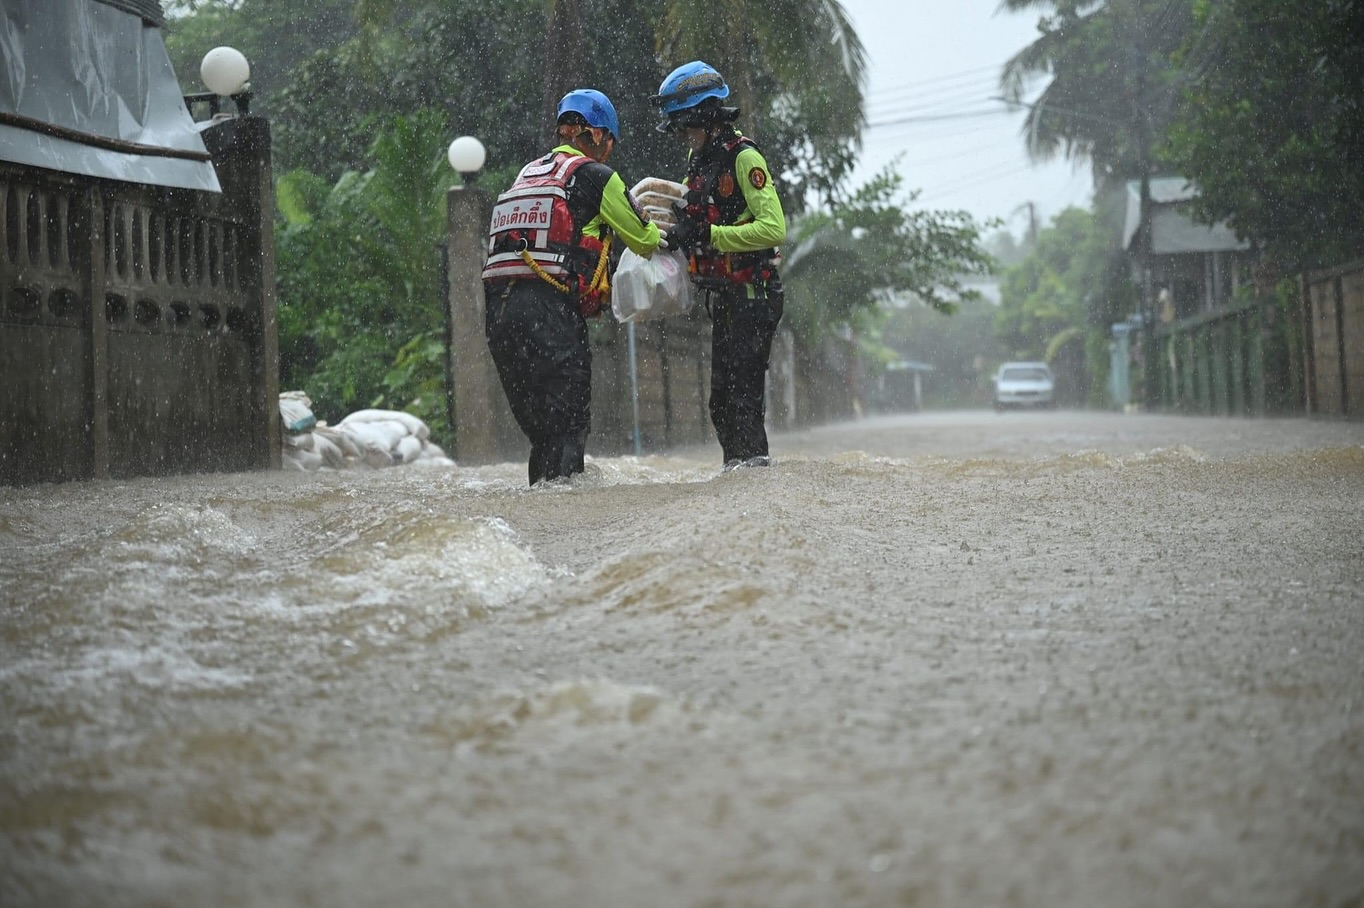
{"x": 795, "y": 61}
{"x": 565, "y": 56}
{"x": 1113, "y": 81}
{"x": 799, "y": 61}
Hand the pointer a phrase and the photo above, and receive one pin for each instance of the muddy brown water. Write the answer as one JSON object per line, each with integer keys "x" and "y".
{"x": 933, "y": 660}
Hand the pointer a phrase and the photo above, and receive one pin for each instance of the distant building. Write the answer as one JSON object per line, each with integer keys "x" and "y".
{"x": 1197, "y": 266}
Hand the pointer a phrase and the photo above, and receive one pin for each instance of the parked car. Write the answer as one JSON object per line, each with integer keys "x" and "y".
{"x": 1024, "y": 385}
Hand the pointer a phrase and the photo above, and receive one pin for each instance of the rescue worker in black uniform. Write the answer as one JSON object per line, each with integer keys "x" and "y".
{"x": 732, "y": 224}
{"x": 549, "y": 252}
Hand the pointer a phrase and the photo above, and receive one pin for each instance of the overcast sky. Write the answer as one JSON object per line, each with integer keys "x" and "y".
{"x": 927, "y": 59}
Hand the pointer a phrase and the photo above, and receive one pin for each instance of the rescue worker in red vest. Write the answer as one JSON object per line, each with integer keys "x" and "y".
{"x": 732, "y": 224}
{"x": 547, "y": 271}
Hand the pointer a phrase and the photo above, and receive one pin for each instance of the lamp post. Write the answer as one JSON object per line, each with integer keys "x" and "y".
{"x": 240, "y": 147}
{"x": 226, "y": 72}
{"x": 466, "y": 155}
{"x": 475, "y": 401}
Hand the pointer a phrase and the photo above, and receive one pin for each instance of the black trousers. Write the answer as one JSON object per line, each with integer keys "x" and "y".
{"x": 538, "y": 341}
{"x": 742, "y": 329}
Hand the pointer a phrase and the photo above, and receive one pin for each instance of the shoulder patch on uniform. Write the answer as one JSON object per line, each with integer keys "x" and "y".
{"x": 725, "y": 185}
{"x": 758, "y": 177}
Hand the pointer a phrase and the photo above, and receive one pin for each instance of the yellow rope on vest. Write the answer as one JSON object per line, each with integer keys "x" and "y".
{"x": 533, "y": 265}
{"x": 600, "y": 284}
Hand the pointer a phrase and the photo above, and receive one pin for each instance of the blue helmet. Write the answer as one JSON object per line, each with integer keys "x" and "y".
{"x": 594, "y": 107}
{"x": 689, "y": 85}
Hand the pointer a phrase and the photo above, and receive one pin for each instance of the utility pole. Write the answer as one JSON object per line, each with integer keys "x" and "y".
{"x": 1150, "y": 382}
{"x": 1031, "y": 235}
{"x": 1150, "y": 379}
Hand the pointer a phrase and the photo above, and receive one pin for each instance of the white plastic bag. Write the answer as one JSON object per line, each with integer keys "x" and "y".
{"x": 654, "y": 287}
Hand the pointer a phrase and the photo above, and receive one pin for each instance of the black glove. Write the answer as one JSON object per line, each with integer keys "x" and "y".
{"x": 690, "y": 231}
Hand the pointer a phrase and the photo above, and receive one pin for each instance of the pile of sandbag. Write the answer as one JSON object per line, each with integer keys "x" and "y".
{"x": 365, "y": 439}
{"x": 656, "y": 197}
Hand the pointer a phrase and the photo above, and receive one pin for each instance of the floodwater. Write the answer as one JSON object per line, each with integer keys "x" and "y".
{"x": 935, "y": 660}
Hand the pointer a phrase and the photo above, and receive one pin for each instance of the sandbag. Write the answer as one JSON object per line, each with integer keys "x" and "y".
{"x": 374, "y": 452}
{"x": 299, "y": 459}
{"x": 303, "y": 441}
{"x": 295, "y": 409}
{"x": 329, "y": 451}
{"x": 413, "y": 425}
{"x": 409, "y": 448}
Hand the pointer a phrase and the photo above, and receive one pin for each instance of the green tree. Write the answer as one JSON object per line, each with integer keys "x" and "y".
{"x": 1113, "y": 80}
{"x": 275, "y": 35}
{"x": 843, "y": 268}
{"x": 327, "y": 116}
{"x": 1053, "y": 304}
{"x": 843, "y": 262}
{"x": 1269, "y": 126}
{"x": 358, "y": 275}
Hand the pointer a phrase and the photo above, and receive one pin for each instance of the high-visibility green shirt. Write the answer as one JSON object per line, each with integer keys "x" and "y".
{"x": 762, "y": 225}
{"x": 616, "y": 209}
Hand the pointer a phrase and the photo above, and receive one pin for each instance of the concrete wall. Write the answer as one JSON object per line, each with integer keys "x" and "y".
{"x": 137, "y": 323}
{"x": 672, "y": 377}
{"x": 1334, "y": 341}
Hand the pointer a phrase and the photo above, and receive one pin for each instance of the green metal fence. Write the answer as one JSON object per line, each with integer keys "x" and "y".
{"x": 1218, "y": 363}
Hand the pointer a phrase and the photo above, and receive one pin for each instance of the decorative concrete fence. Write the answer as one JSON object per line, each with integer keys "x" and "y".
{"x": 137, "y": 323}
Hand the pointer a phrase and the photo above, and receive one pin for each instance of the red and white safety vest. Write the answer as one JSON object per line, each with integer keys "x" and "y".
{"x": 533, "y": 216}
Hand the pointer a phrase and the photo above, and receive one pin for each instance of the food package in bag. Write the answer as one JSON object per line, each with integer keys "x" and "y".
{"x": 665, "y": 218}
{"x": 652, "y": 193}
{"x": 649, "y": 287}
{"x": 649, "y": 200}
{"x": 660, "y": 187}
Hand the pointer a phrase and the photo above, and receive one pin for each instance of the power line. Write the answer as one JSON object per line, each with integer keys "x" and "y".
{"x": 940, "y": 139}
{"x": 974, "y": 179}
{"x": 963, "y": 75}
{"x": 928, "y": 96}
{"x": 930, "y": 103}
{"x": 935, "y": 118}
{"x": 1051, "y": 108}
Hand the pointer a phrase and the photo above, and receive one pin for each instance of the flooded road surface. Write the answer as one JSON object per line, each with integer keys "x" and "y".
{"x": 937, "y": 660}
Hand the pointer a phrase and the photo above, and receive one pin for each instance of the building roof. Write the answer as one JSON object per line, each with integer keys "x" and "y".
{"x": 1172, "y": 230}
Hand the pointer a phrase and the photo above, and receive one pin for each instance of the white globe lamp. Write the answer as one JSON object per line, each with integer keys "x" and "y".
{"x": 467, "y": 155}
{"x": 225, "y": 71}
